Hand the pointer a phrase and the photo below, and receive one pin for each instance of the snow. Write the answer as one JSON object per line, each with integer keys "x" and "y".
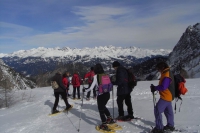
{"x": 103, "y": 52}
{"x": 30, "y": 112}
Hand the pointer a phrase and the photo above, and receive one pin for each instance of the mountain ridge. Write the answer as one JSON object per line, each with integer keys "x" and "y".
{"x": 92, "y": 52}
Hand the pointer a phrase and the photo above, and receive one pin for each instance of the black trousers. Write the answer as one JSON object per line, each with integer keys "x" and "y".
{"x": 94, "y": 92}
{"x": 127, "y": 98}
{"x": 101, "y": 103}
{"x": 63, "y": 94}
{"x": 74, "y": 91}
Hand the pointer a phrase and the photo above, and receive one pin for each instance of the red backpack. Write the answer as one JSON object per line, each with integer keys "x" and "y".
{"x": 180, "y": 88}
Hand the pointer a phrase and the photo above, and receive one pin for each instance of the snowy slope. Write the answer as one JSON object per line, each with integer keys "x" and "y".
{"x": 11, "y": 79}
{"x": 30, "y": 115}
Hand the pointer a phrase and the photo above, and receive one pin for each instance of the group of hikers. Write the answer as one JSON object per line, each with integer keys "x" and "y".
{"x": 165, "y": 88}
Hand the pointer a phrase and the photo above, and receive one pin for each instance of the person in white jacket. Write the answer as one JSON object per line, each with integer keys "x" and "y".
{"x": 102, "y": 99}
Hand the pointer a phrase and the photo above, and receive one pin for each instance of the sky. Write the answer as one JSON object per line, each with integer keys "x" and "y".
{"x": 155, "y": 24}
{"x": 29, "y": 111}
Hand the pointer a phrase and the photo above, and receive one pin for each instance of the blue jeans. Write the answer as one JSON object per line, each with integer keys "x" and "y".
{"x": 166, "y": 107}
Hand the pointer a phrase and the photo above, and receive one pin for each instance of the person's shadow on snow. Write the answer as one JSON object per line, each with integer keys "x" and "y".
{"x": 88, "y": 110}
{"x": 50, "y": 104}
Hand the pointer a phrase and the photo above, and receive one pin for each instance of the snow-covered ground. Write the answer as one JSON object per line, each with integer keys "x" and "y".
{"x": 30, "y": 114}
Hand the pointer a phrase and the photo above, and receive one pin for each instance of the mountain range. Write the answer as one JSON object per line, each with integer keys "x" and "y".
{"x": 36, "y": 61}
{"x": 43, "y": 62}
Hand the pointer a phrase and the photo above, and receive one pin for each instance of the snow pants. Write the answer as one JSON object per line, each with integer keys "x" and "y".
{"x": 166, "y": 107}
{"x": 127, "y": 98}
{"x": 78, "y": 91}
{"x": 63, "y": 94}
{"x": 101, "y": 103}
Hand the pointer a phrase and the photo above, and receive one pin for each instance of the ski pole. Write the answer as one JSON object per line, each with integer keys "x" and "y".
{"x": 157, "y": 111}
{"x": 81, "y": 110}
{"x": 154, "y": 99}
{"x": 112, "y": 96}
{"x": 113, "y": 101}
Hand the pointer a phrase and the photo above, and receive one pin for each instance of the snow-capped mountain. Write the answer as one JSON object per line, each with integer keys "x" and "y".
{"x": 40, "y": 60}
{"x": 185, "y": 56}
{"x": 9, "y": 79}
{"x": 96, "y": 52}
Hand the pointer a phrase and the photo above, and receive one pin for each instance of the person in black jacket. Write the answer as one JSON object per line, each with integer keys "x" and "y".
{"x": 60, "y": 91}
{"x": 123, "y": 91}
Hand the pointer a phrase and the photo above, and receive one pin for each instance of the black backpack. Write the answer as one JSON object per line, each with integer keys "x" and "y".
{"x": 132, "y": 82}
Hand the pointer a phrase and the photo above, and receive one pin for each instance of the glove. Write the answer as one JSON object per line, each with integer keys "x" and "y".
{"x": 152, "y": 88}
{"x": 84, "y": 89}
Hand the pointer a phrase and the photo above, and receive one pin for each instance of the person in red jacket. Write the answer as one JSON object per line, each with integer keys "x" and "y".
{"x": 76, "y": 82}
{"x": 89, "y": 77}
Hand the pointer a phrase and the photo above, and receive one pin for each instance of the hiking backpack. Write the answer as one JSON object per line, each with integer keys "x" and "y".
{"x": 104, "y": 83}
{"x": 180, "y": 88}
{"x": 54, "y": 85}
{"x": 132, "y": 82}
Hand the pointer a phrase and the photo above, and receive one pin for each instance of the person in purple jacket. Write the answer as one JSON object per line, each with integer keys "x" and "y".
{"x": 166, "y": 90}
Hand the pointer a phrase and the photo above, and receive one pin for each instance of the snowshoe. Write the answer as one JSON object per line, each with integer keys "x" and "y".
{"x": 114, "y": 126}
{"x": 104, "y": 128}
{"x": 55, "y": 112}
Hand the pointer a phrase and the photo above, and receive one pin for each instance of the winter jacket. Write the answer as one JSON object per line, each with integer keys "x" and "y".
{"x": 76, "y": 80}
{"x": 121, "y": 81}
{"x": 58, "y": 78}
{"x": 89, "y": 76}
{"x": 65, "y": 82}
{"x": 166, "y": 85}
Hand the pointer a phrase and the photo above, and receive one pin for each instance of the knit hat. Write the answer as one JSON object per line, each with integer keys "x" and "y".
{"x": 115, "y": 64}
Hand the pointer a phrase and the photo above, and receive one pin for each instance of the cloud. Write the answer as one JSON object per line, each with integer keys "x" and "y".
{"x": 149, "y": 26}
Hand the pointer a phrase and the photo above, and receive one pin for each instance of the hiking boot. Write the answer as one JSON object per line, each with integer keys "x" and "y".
{"x": 110, "y": 120}
{"x": 168, "y": 128}
{"x": 55, "y": 111}
{"x": 104, "y": 127}
{"x": 120, "y": 118}
{"x": 129, "y": 117}
{"x": 68, "y": 107}
{"x": 155, "y": 130}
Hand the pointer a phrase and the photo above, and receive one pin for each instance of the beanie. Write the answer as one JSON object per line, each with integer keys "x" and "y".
{"x": 115, "y": 64}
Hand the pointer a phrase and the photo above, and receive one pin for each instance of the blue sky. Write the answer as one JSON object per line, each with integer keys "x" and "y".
{"x": 149, "y": 24}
